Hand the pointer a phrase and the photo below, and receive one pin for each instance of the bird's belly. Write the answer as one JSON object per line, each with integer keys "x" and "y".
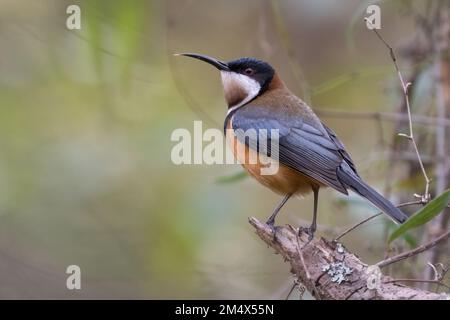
{"x": 284, "y": 181}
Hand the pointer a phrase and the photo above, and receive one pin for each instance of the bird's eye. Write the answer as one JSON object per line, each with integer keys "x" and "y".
{"x": 249, "y": 71}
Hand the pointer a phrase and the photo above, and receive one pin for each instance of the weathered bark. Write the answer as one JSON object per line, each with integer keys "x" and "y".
{"x": 329, "y": 271}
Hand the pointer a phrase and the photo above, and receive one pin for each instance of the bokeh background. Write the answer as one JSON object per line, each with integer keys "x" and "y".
{"x": 85, "y": 123}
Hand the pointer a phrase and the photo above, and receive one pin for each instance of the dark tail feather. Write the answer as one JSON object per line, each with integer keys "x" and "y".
{"x": 350, "y": 180}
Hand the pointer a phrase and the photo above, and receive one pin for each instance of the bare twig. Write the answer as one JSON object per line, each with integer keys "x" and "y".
{"x": 439, "y": 276}
{"x": 357, "y": 225}
{"x": 372, "y": 217}
{"x": 297, "y": 71}
{"x": 444, "y": 272}
{"x": 440, "y": 283}
{"x": 188, "y": 98}
{"x": 410, "y": 136}
{"x": 191, "y": 102}
{"x": 436, "y": 273}
{"x": 386, "y": 116}
{"x": 415, "y": 251}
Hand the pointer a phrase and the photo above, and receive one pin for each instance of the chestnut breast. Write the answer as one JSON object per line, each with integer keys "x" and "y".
{"x": 286, "y": 180}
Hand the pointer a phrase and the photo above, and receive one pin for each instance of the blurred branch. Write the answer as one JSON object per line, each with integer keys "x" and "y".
{"x": 287, "y": 44}
{"x": 438, "y": 276}
{"x": 187, "y": 97}
{"x": 329, "y": 271}
{"x": 441, "y": 44}
{"x": 372, "y": 217}
{"x": 387, "y": 116}
{"x": 410, "y": 136}
{"x": 191, "y": 102}
{"x": 439, "y": 282}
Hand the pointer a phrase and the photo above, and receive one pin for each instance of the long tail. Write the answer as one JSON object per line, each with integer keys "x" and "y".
{"x": 352, "y": 181}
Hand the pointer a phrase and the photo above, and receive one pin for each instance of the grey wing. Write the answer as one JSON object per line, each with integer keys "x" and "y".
{"x": 341, "y": 147}
{"x": 302, "y": 146}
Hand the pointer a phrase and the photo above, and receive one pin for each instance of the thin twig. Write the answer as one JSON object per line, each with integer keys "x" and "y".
{"x": 405, "y": 86}
{"x": 357, "y": 225}
{"x": 419, "y": 280}
{"x": 371, "y": 217}
{"x": 291, "y": 290}
{"x": 439, "y": 276}
{"x": 415, "y": 251}
{"x": 445, "y": 270}
{"x": 320, "y": 227}
{"x": 286, "y": 41}
{"x": 433, "y": 267}
{"x": 385, "y": 116}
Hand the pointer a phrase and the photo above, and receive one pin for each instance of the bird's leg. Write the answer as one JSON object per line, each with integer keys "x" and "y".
{"x": 312, "y": 228}
{"x": 271, "y": 220}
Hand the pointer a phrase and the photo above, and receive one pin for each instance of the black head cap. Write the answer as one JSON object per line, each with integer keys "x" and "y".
{"x": 256, "y": 69}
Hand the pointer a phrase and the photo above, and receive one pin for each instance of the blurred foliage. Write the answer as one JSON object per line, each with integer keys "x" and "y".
{"x": 232, "y": 177}
{"x": 421, "y": 217}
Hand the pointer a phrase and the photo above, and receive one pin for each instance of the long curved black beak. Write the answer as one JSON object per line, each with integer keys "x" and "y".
{"x": 212, "y": 61}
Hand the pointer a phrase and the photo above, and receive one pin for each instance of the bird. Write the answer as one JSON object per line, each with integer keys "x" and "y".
{"x": 310, "y": 155}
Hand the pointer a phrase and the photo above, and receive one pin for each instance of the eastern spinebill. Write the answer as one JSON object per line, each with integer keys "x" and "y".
{"x": 310, "y": 154}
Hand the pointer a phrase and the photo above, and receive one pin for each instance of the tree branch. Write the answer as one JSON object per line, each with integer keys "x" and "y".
{"x": 415, "y": 251}
{"x": 329, "y": 271}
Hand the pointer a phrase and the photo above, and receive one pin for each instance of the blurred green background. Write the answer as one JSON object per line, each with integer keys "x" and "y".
{"x": 85, "y": 123}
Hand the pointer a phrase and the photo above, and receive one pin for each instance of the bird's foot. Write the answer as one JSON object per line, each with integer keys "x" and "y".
{"x": 309, "y": 231}
{"x": 270, "y": 222}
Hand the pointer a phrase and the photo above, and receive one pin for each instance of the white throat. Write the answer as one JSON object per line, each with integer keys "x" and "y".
{"x": 238, "y": 88}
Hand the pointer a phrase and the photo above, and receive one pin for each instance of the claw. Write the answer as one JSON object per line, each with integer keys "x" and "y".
{"x": 309, "y": 231}
{"x": 270, "y": 222}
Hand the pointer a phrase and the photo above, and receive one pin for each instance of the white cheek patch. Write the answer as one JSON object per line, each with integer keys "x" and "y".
{"x": 232, "y": 80}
